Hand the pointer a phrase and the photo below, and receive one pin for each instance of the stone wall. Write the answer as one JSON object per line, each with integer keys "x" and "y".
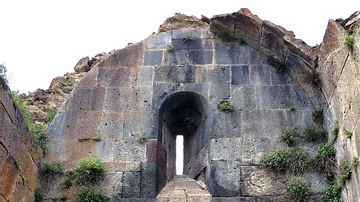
{"x": 145, "y": 88}
{"x": 19, "y": 157}
{"x": 340, "y": 72}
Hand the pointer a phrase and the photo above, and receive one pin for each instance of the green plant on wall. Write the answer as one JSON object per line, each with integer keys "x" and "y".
{"x": 143, "y": 137}
{"x": 50, "y": 170}
{"x": 170, "y": 48}
{"x": 89, "y": 170}
{"x": 344, "y": 171}
{"x": 91, "y": 193}
{"x": 314, "y": 133}
{"x": 50, "y": 116}
{"x": 187, "y": 38}
{"x": 225, "y": 106}
{"x": 289, "y": 135}
{"x": 317, "y": 115}
{"x": 298, "y": 188}
{"x": 241, "y": 42}
{"x": 224, "y": 36}
{"x": 332, "y": 192}
{"x": 38, "y": 195}
{"x": 347, "y": 134}
{"x": 349, "y": 37}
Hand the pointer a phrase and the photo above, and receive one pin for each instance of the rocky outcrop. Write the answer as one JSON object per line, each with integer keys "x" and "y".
{"x": 19, "y": 156}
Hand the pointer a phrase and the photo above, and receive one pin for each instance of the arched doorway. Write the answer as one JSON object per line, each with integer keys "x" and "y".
{"x": 182, "y": 113}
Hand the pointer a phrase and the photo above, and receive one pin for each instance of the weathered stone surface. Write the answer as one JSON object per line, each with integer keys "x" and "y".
{"x": 82, "y": 65}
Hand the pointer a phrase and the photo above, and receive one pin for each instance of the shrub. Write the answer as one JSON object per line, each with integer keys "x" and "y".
{"x": 332, "y": 192}
{"x": 84, "y": 139}
{"x": 170, "y": 48}
{"x": 89, "y": 170}
{"x": 65, "y": 181}
{"x": 288, "y": 135}
{"x": 355, "y": 161}
{"x": 25, "y": 181}
{"x": 317, "y": 115}
{"x": 224, "y": 36}
{"x": 96, "y": 139}
{"x": 295, "y": 159}
{"x": 298, "y": 188}
{"x": 187, "y": 38}
{"x": 349, "y": 38}
{"x": 314, "y": 133}
{"x": 38, "y": 195}
{"x": 335, "y": 129}
{"x": 62, "y": 196}
{"x": 50, "y": 170}
{"x": 344, "y": 171}
{"x": 50, "y": 116}
{"x": 325, "y": 151}
{"x": 143, "y": 137}
{"x": 280, "y": 65}
{"x": 241, "y": 42}
{"x": 225, "y": 106}
{"x": 348, "y": 134}
{"x": 90, "y": 193}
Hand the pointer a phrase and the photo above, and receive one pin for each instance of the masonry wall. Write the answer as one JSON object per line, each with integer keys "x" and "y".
{"x": 122, "y": 96}
{"x": 19, "y": 157}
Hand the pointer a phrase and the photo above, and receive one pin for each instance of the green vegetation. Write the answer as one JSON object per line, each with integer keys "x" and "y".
{"x": 224, "y": 36}
{"x": 349, "y": 38}
{"x": 332, "y": 192}
{"x": 25, "y": 181}
{"x": 325, "y": 151}
{"x": 50, "y": 170}
{"x": 292, "y": 109}
{"x": 298, "y": 188}
{"x": 170, "y": 48}
{"x": 225, "y": 106}
{"x": 3, "y": 74}
{"x": 62, "y": 196}
{"x": 96, "y": 138}
{"x": 38, "y": 195}
{"x": 89, "y": 170}
{"x": 334, "y": 132}
{"x": 187, "y": 38}
{"x": 344, "y": 171}
{"x": 65, "y": 181}
{"x": 280, "y": 65}
{"x": 355, "y": 161}
{"x": 281, "y": 159}
{"x": 241, "y": 42}
{"x": 18, "y": 162}
{"x": 84, "y": 139}
{"x": 90, "y": 193}
{"x": 289, "y": 135}
{"x": 317, "y": 115}
{"x": 314, "y": 133}
{"x": 50, "y": 116}
{"x": 143, "y": 137}
{"x": 348, "y": 134}
{"x": 36, "y": 129}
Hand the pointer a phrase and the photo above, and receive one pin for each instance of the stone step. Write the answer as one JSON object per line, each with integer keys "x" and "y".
{"x": 182, "y": 188}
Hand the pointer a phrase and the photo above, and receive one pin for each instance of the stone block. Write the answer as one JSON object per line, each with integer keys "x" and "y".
{"x": 110, "y": 125}
{"x": 172, "y": 74}
{"x": 113, "y": 184}
{"x": 226, "y": 149}
{"x": 122, "y": 166}
{"x": 90, "y": 79}
{"x": 243, "y": 97}
{"x": 259, "y": 181}
{"x": 223, "y": 178}
{"x": 192, "y": 44}
{"x": 239, "y": 75}
{"x": 85, "y": 99}
{"x": 118, "y": 77}
{"x": 232, "y": 54}
{"x": 281, "y": 97}
{"x": 135, "y": 200}
{"x": 131, "y": 185}
{"x": 149, "y": 180}
{"x": 259, "y": 75}
{"x": 145, "y": 76}
{"x": 159, "y": 41}
{"x": 153, "y": 58}
{"x": 129, "y": 150}
{"x": 281, "y": 78}
{"x": 195, "y": 34}
{"x": 156, "y": 153}
{"x": 271, "y": 40}
{"x": 201, "y": 57}
{"x": 198, "y": 163}
{"x": 226, "y": 124}
{"x": 248, "y": 27}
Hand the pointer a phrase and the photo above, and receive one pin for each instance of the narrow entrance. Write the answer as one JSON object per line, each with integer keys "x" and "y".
{"x": 179, "y": 154}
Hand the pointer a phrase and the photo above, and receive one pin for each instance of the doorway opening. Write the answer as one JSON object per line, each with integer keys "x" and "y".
{"x": 179, "y": 154}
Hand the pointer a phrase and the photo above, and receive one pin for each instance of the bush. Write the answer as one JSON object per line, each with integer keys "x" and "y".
{"x": 314, "y": 133}
{"x": 50, "y": 116}
{"x": 332, "y": 192}
{"x": 288, "y": 135}
{"x": 325, "y": 151}
{"x": 50, "y": 170}
{"x": 65, "y": 181}
{"x": 90, "y": 193}
{"x": 143, "y": 137}
{"x": 187, "y": 38}
{"x": 89, "y": 170}
{"x": 298, "y": 188}
{"x": 317, "y": 115}
{"x": 241, "y": 42}
{"x": 295, "y": 159}
{"x": 170, "y": 48}
{"x": 96, "y": 139}
{"x": 344, "y": 171}
{"x": 224, "y": 36}
{"x": 348, "y": 134}
{"x": 38, "y": 195}
{"x": 225, "y": 106}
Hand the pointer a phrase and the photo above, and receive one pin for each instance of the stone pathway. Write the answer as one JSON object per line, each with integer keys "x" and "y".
{"x": 182, "y": 188}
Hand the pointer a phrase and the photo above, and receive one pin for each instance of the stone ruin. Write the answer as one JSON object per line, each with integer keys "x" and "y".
{"x": 172, "y": 83}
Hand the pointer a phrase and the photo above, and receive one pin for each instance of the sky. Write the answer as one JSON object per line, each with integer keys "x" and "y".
{"x": 43, "y": 39}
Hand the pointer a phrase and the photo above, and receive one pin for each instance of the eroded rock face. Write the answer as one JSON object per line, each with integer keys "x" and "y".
{"x": 19, "y": 156}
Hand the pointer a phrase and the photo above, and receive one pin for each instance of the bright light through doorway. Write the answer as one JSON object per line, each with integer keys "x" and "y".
{"x": 179, "y": 154}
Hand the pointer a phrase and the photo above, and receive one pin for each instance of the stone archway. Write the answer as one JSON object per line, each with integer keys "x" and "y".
{"x": 182, "y": 113}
